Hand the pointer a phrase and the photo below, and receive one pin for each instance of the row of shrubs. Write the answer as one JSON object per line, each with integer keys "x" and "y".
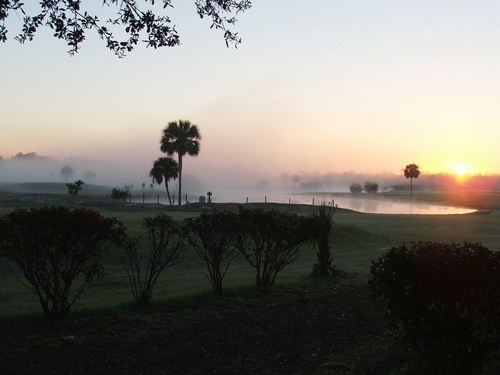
{"x": 58, "y": 250}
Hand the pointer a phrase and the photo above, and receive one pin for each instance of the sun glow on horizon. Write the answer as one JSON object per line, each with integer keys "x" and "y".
{"x": 462, "y": 167}
{"x": 460, "y": 170}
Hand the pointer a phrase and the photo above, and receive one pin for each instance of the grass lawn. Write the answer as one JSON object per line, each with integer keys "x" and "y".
{"x": 357, "y": 240}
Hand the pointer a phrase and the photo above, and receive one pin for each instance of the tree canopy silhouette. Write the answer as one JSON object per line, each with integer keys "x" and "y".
{"x": 66, "y": 172}
{"x": 164, "y": 168}
{"x": 149, "y": 23}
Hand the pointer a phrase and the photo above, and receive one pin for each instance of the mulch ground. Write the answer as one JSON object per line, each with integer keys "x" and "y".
{"x": 324, "y": 329}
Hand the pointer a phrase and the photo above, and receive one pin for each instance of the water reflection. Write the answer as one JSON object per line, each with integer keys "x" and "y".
{"x": 385, "y": 205}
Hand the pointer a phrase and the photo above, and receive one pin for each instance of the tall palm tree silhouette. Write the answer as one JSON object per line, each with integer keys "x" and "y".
{"x": 411, "y": 171}
{"x": 182, "y": 138}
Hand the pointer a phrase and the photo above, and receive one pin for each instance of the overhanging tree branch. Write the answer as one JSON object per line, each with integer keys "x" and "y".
{"x": 69, "y": 21}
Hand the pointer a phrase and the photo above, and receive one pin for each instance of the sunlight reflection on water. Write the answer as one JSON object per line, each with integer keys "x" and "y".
{"x": 394, "y": 207}
{"x": 388, "y": 206}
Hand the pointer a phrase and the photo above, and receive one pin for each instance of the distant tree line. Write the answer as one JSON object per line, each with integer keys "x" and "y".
{"x": 368, "y": 187}
{"x": 333, "y": 181}
{"x": 411, "y": 171}
{"x": 28, "y": 156}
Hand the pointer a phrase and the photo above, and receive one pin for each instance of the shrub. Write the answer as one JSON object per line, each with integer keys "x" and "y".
{"x": 74, "y": 188}
{"x": 271, "y": 240}
{"x": 212, "y": 235}
{"x": 165, "y": 243}
{"x": 56, "y": 248}
{"x": 121, "y": 194}
{"x": 370, "y": 187}
{"x": 322, "y": 225}
{"x": 447, "y": 299}
{"x": 355, "y": 188}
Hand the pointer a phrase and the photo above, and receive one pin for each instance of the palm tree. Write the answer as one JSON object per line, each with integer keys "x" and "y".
{"x": 411, "y": 171}
{"x": 164, "y": 168}
{"x": 182, "y": 138}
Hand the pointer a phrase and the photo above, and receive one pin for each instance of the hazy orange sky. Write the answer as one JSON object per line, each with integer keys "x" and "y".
{"x": 327, "y": 86}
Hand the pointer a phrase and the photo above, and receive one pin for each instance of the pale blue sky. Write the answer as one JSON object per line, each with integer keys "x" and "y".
{"x": 322, "y": 85}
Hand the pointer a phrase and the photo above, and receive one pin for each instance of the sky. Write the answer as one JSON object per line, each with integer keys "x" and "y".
{"x": 320, "y": 86}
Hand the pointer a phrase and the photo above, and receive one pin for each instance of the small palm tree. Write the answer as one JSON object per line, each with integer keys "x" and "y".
{"x": 182, "y": 138}
{"x": 411, "y": 171}
{"x": 164, "y": 168}
{"x": 323, "y": 225}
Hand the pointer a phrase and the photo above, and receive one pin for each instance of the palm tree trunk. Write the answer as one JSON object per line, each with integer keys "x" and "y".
{"x": 179, "y": 163}
{"x": 168, "y": 192}
{"x": 411, "y": 187}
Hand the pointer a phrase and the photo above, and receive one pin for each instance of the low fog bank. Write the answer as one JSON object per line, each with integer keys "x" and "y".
{"x": 232, "y": 184}
{"x": 225, "y": 183}
{"x": 282, "y": 188}
{"x": 34, "y": 168}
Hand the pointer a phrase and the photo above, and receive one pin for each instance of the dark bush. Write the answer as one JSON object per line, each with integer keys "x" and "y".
{"x": 165, "y": 241}
{"x": 75, "y": 187}
{"x": 121, "y": 194}
{"x": 370, "y": 187}
{"x": 213, "y": 235}
{"x": 322, "y": 226}
{"x": 355, "y": 188}
{"x": 447, "y": 299}
{"x": 56, "y": 248}
{"x": 271, "y": 240}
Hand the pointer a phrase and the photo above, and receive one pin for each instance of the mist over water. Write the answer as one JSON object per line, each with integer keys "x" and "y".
{"x": 226, "y": 182}
{"x": 236, "y": 184}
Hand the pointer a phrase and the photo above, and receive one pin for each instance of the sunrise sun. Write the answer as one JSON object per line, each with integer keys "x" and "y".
{"x": 460, "y": 170}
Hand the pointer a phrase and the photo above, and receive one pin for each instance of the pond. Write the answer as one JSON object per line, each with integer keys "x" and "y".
{"x": 379, "y": 204}
{"x": 367, "y": 203}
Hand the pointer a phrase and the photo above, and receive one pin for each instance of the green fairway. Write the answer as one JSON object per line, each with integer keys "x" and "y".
{"x": 362, "y": 237}
{"x": 356, "y": 241}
